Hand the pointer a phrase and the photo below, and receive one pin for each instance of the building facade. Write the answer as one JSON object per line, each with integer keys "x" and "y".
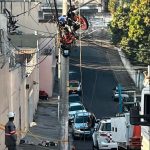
{"x": 20, "y": 66}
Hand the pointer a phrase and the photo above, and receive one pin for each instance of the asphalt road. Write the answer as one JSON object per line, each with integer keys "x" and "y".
{"x": 98, "y": 80}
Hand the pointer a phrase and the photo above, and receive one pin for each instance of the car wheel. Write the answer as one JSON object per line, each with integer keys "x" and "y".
{"x": 93, "y": 146}
{"x": 97, "y": 147}
{"x": 73, "y": 136}
{"x": 80, "y": 93}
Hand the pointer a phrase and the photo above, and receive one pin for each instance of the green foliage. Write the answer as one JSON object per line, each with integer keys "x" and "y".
{"x": 112, "y": 6}
{"x": 130, "y": 29}
{"x": 119, "y": 25}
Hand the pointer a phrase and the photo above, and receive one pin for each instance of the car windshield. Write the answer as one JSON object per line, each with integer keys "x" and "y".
{"x": 74, "y": 99}
{"x": 74, "y": 108}
{"x": 106, "y": 127}
{"x": 75, "y": 84}
{"x": 81, "y": 119}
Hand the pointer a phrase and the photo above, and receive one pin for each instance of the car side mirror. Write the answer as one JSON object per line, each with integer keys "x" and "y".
{"x": 97, "y": 120}
{"x": 96, "y": 128}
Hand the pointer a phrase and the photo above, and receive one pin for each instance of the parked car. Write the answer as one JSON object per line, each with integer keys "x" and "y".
{"x": 73, "y": 75}
{"x": 73, "y": 98}
{"x": 43, "y": 95}
{"x": 123, "y": 94}
{"x": 80, "y": 126}
{"x": 102, "y": 138}
{"x": 73, "y": 109}
{"x": 74, "y": 87}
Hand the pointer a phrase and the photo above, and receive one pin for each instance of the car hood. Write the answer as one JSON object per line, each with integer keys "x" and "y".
{"x": 74, "y": 112}
{"x": 73, "y": 88}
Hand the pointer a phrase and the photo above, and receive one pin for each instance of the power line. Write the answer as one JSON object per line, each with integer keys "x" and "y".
{"x": 34, "y": 29}
{"x": 34, "y": 52}
{"x": 39, "y": 62}
{"x": 27, "y": 11}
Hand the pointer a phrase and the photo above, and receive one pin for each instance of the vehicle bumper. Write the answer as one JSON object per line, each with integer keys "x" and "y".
{"x": 105, "y": 145}
{"x": 82, "y": 134}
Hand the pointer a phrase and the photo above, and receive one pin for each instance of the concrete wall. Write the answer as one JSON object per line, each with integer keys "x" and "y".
{"x": 135, "y": 72}
{"x": 46, "y": 75}
{"x": 47, "y": 64}
{"x": 15, "y": 97}
{"x": 4, "y": 100}
{"x": 13, "y": 94}
{"x": 4, "y": 81}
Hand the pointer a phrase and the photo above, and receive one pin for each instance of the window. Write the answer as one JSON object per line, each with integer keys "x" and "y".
{"x": 74, "y": 99}
{"x": 75, "y": 84}
{"x": 81, "y": 119}
{"x": 74, "y": 108}
{"x": 106, "y": 127}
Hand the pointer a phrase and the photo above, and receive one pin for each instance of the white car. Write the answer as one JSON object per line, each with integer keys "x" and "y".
{"x": 74, "y": 87}
{"x": 124, "y": 95}
{"x": 102, "y": 138}
{"x": 73, "y": 109}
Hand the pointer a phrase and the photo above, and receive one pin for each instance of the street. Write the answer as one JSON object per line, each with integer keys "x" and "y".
{"x": 98, "y": 80}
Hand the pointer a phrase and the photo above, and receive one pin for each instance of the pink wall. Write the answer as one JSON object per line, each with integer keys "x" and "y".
{"x": 46, "y": 75}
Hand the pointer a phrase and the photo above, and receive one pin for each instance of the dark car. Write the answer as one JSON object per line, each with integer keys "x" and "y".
{"x": 73, "y": 98}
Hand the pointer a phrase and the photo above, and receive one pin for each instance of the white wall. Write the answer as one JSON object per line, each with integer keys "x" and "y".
{"x": 13, "y": 92}
{"x": 28, "y": 22}
{"x": 46, "y": 73}
{"x": 4, "y": 100}
{"x": 4, "y": 83}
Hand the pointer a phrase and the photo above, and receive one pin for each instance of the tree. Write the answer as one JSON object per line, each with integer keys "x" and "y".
{"x": 139, "y": 29}
{"x": 112, "y": 6}
{"x": 119, "y": 25}
{"x": 130, "y": 29}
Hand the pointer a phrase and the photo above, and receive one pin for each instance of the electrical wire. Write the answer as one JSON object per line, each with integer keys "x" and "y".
{"x": 45, "y": 24}
{"x": 34, "y": 29}
{"x": 51, "y": 8}
{"x": 93, "y": 90}
{"x": 37, "y": 63}
{"x": 25, "y": 53}
{"x": 33, "y": 52}
{"x": 28, "y": 10}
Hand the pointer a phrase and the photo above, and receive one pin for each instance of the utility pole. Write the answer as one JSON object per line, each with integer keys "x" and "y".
{"x": 120, "y": 98}
{"x": 64, "y": 77}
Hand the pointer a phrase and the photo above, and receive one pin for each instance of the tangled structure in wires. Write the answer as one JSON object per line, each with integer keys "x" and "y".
{"x": 69, "y": 24}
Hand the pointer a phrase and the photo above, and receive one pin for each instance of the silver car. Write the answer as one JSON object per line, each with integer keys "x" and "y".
{"x": 73, "y": 109}
{"x": 80, "y": 126}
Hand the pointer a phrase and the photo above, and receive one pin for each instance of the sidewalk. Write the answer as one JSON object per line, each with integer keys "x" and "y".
{"x": 47, "y": 128}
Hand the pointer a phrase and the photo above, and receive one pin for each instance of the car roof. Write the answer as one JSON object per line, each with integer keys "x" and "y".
{"x": 74, "y": 81}
{"x": 105, "y": 121}
{"x": 123, "y": 95}
{"x": 73, "y": 95}
{"x": 75, "y": 104}
{"x": 72, "y": 71}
